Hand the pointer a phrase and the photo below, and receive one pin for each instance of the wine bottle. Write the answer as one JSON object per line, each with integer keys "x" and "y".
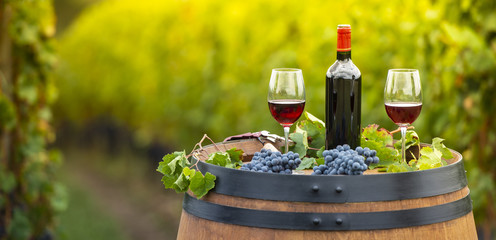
{"x": 343, "y": 95}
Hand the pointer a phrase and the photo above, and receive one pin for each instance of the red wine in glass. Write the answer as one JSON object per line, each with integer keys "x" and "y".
{"x": 403, "y": 113}
{"x": 286, "y": 97}
{"x": 286, "y": 111}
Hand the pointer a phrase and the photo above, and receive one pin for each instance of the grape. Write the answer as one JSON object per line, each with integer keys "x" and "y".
{"x": 325, "y": 153}
{"x": 356, "y": 166}
{"x": 366, "y": 153}
{"x": 359, "y": 150}
{"x": 344, "y": 160}
{"x": 273, "y": 162}
{"x": 373, "y": 153}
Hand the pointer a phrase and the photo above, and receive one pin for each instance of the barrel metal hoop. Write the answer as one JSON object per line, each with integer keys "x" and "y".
{"x": 327, "y": 221}
{"x": 340, "y": 188}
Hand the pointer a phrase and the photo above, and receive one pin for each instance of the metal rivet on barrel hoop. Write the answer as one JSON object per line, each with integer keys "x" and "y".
{"x": 339, "y": 221}
{"x": 339, "y": 189}
{"x": 316, "y": 221}
{"x": 315, "y": 188}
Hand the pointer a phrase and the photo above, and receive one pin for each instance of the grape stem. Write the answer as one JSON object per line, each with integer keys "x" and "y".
{"x": 196, "y": 152}
{"x": 399, "y": 129}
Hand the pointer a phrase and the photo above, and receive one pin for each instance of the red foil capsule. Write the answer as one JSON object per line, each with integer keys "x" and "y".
{"x": 344, "y": 38}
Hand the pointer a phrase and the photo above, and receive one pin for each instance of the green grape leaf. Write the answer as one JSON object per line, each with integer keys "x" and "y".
{"x": 314, "y": 119}
{"x": 320, "y": 161}
{"x": 220, "y": 159}
{"x": 315, "y": 132}
{"x": 169, "y": 180}
{"x": 301, "y": 142}
{"x": 188, "y": 171}
{"x": 236, "y": 156}
{"x": 372, "y": 133}
{"x": 429, "y": 158}
{"x": 411, "y": 139}
{"x": 379, "y": 139}
{"x": 200, "y": 185}
{"x": 319, "y": 153}
{"x": 182, "y": 182}
{"x": 437, "y": 143}
{"x": 165, "y": 166}
{"x": 400, "y": 167}
{"x": 306, "y": 163}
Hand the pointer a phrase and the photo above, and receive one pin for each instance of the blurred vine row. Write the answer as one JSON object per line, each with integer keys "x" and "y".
{"x": 173, "y": 70}
{"x": 30, "y": 196}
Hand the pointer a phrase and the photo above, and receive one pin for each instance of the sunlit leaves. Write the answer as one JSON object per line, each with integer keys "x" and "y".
{"x": 180, "y": 174}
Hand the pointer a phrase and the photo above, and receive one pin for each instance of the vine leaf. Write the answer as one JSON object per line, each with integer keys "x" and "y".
{"x": 411, "y": 139}
{"x": 200, "y": 185}
{"x": 379, "y": 139}
{"x": 301, "y": 142}
{"x": 236, "y": 156}
{"x": 306, "y": 163}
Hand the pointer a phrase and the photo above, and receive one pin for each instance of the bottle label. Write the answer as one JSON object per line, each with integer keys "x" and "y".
{"x": 344, "y": 38}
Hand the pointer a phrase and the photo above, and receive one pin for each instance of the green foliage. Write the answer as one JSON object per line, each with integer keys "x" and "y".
{"x": 180, "y": 174}
{"x": 411, "y": 139}
{"x": 173, "y": 70}
{"x": 430, "y": 157}
{"x": 309, "y": 139}
{"x": 380, "y": 140}
{"x": 29, "y": 195}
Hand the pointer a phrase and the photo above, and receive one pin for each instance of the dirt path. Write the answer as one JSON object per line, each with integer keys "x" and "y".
{"x": 142, "y": 207}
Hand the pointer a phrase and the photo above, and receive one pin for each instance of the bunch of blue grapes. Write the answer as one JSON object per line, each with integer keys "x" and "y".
{"x": 273, "y": 162}
{"x": 345, "y": 161}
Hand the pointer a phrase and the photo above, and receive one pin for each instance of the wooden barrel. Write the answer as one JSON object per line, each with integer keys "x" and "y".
{"x": 429, "y": 204}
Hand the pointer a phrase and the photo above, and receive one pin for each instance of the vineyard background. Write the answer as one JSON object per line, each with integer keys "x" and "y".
{"x": 137, "y": 80}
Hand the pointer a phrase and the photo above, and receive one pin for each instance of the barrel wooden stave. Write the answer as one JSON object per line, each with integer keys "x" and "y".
{"x": 193, "y": 227}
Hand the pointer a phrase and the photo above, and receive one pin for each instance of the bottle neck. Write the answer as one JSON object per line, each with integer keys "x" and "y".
{"x": 344, "y": 42}
{"x": 343, "y": 55}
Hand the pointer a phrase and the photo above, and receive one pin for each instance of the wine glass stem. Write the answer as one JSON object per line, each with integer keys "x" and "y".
{"x": 403, "y": 134}
{"x": 286, "y": 135}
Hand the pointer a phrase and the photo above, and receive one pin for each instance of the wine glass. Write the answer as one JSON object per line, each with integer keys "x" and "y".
{"x": 403, "y": 99}
{"x": 286, "y": 97}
